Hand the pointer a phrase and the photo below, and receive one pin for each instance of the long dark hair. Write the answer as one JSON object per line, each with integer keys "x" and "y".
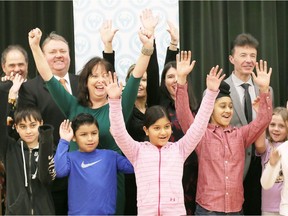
{"x": 165, "y": 95}
{"x": 83, "y": 96}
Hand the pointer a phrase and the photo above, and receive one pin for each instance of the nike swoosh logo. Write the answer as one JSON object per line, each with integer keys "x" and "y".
{"x": 83, "y": 165}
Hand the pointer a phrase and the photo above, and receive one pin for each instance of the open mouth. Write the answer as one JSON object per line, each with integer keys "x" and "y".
{"x": 226, "y": 116}
{"x": 99, "y": 87}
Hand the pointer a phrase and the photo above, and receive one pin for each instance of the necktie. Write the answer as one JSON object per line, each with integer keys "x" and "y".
{"x": 247, "y": 102}
{"x": 63, "y": 82}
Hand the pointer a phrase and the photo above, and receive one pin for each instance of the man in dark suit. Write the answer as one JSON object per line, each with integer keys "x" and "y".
{"x": 33, "y": 92}
{"x": 14, "y": 60}
{"x": 14, "y": 63}
{"x": 243, "y": 57}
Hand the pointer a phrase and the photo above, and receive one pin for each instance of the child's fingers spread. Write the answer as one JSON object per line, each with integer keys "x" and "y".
{"x": 222, "y": 77}
{"x": 218, "y": 74}
{"x": 211, "y": 71}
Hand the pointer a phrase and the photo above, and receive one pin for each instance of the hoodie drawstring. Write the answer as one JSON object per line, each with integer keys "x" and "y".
{"x": 24, "y": 163}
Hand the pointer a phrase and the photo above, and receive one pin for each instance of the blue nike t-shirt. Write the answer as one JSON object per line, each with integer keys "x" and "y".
{"x": 92, "y": 184}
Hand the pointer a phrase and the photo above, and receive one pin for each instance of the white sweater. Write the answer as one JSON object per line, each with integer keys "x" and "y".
{"x": 270, "y": 174}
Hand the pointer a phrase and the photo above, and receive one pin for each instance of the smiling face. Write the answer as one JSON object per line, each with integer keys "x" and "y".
{"x": 222, "y": 112}
{"x": 244, "y": 60}
{"x": 278, "y": 128}
{"x": 159, "y": 133}
{"x": 171, "y": 82}
{"x": 96, "y": 80}
{"x": 142, "y": 86}
{"x": 87, "y": 137}
{"x": 57, "y": 56}
{"x": 15, "y": 62}
{"x": 28, "y": 131}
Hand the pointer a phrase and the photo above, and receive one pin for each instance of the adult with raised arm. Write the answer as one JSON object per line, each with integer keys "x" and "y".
{"x": 167, "y": 99}
{"x": 243, "y": 56}
{"x": 14, "y": 62}
{"x": 92, "y": 96}
{"x": 146, "y": 97}
{"x": 107, "y": 34}
{"x": 34, "y": 92}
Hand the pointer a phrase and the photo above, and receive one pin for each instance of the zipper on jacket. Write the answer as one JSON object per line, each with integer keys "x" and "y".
{"x": 30, "y": 180}
{"x": 159, "y": 180}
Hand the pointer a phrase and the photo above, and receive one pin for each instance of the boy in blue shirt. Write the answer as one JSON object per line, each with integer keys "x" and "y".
{"x": 92, "y": 184}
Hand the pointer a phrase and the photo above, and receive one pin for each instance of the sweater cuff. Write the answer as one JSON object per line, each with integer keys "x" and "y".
{"x": 185, "y": 86}
{"x": 63, "y": 141}
{"x": 212, "y": 94}
{"x": 115, "y": 104}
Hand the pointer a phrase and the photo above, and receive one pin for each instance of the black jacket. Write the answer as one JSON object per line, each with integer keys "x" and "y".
{"x": 28, "y": 172}
{"x": 34, "y": 92}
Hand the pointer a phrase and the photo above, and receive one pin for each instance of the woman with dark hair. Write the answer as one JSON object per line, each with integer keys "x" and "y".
{"x": 93, "y": 97}
{"x": 167, "y": 100}
{"x": 151, "y": 93}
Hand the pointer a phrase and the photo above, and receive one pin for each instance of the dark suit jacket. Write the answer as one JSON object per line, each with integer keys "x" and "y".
{"x": 34, "y": 92}
{"x": 5, "y": 87}
{"x": 239, "y": 118}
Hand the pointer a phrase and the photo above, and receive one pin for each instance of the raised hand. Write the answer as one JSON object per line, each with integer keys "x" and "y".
{"x": 214, "y": 78}
{"x": 149, "y": 21}
{"x": 274, "y": 157}
{"x": 184, "y": 66}
{"x": 17, "y": 82}
{"x": 174, "y": 33}
{"x": 8, "y": 77}
{"x": 34, "y": 37}
{"x": 263, "y": 78}
{"x": 112, "y": 88}
{"x": 65, "y": 130}
{"x": 106, "y": 32}
{"x": 146, "y": 38}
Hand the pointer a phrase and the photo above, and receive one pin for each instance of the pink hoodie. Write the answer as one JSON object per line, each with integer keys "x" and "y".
{"x": 159, "y": 171}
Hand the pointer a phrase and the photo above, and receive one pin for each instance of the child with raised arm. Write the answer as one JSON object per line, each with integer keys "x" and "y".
{"x": 92, "y": 184}
{"x": 158, "y": 163}
{"x": 273, "y": 203}
{"x": 28, "y": 162}
{"x": 221, "y": 151}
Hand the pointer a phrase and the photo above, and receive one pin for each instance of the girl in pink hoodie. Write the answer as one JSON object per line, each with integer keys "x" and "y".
{"x": 158, "y": 164}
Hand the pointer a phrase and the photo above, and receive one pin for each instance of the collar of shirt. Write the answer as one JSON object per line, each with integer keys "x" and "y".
{"x": 240, "y": 90}
{"x": 67, "y": 79}
{"x": 213, "y": 128}
{"x": 239, "y": 82}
